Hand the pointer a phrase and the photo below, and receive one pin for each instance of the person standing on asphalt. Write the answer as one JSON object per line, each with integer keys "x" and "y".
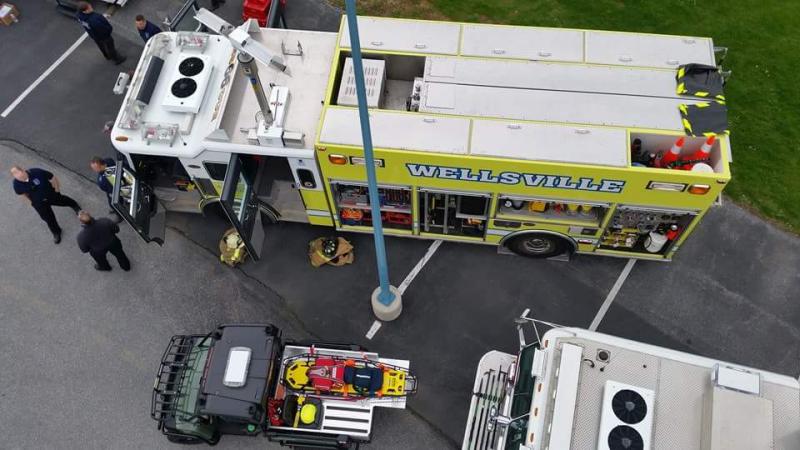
{"x": 98, "y": 28}
{"x": 97, "y": 238}
{"x": 146, "y": 28}
{"x": 99, "y": 166}
{"x": 42, "y": 189}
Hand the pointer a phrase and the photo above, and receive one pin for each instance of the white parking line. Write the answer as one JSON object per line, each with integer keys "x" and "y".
{"x": 41, "y": 78}
{"x": 374, "y": 329}
{"x": 376, "y": 325}
{"x": 612, "y": 294}
{"x": 416, "y": 270}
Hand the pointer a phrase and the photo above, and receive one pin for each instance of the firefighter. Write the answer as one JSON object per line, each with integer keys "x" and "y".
{"x": 43, "y": 191}
{"x": 98, "y": 28}
{"x": 99, "y": 167}
{"x": 97, "y": 238}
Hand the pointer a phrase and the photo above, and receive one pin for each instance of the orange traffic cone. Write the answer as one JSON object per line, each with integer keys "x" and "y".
{"x": 672, "y": 155}
{"x": 702, "y": 154}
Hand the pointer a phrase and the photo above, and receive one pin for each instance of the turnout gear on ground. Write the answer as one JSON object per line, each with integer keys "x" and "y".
{"x": 331, "y": 250}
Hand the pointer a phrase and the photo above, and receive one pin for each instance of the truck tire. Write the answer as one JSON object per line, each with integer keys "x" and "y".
{"x": 538, "y": 245}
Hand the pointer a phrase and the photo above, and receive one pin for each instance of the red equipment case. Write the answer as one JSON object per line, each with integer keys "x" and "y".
{"x": 257, "y": 9}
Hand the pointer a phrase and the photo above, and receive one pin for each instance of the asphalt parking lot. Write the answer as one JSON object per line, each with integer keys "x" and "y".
{"x": 730, "y": 294}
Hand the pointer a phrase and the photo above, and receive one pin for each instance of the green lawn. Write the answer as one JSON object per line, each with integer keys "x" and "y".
{"x": 764, "y": 43}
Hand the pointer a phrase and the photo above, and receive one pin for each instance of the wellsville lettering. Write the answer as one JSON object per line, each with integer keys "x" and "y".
{"x": 529, "y": 179}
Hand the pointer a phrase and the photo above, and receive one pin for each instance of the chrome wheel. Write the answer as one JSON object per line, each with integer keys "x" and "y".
{"x": 538, "y": 245}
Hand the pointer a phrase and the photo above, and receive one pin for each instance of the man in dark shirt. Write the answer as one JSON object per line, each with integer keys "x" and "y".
{"x": 101, "y": 167}
{"x": 146, "y": 28}
{"x": 98, "y": 28}
{"x": 97, "y": 238}
{"x": 41, "y": 188}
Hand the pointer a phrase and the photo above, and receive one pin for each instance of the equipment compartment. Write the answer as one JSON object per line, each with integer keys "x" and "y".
{"x": 644, "y": 230}
{"x": 551, "y": 210}
{"x": 650, "y": 150}
{"x": 453, "y": 213}
{"x": 352, "y": 203}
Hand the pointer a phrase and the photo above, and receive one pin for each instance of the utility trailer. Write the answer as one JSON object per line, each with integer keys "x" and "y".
{"x": 234, "y": 381}
{"x": 582, "y": 390}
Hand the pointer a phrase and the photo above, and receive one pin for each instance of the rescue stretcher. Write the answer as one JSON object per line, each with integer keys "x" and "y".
{"x": 322, "y": 390}
{"x": 349, "y": 376}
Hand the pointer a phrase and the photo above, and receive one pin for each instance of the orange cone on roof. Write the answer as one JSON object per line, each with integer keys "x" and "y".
{"x": 701, "y": 155}
{"x": 672, "y": 155}
{"x": 705, "y": 149}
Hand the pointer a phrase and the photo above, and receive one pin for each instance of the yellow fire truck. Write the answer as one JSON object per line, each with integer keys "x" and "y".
{"x": 545, "y": 141}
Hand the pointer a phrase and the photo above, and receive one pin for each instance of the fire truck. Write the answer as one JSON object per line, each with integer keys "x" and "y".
{"x": 543, "y": 141}
{"x": 577, "y": 389}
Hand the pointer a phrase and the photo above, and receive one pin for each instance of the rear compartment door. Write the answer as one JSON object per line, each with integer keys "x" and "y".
{"x": 136, "y": 203}
{"x": 239, "y": 201}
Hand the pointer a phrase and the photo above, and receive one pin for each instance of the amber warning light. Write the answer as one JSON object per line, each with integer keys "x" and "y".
{"x": 339, "y": 160}
{"x": 699, "y": 189}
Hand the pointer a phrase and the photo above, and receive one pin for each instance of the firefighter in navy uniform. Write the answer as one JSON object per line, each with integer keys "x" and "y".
{"x": 98, "y": 28}
{"x": 100, "y": 166}
{"x": 97, "y": 238}
{"x": 42, "y": 189}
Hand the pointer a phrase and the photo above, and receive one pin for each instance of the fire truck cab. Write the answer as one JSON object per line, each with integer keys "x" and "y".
{"x": 577, "y": 389}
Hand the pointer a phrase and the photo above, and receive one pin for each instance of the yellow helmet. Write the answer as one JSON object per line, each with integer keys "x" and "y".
{"x": 308, "y": 413}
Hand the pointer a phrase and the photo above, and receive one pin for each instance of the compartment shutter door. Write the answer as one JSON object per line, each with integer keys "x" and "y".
{"x": 629, "y": 49}
{"x": 405, "y": 36}
{"x": 543, "y": 44}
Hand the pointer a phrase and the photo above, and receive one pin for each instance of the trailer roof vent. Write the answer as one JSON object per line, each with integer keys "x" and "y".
{"x": 236, "y": 368}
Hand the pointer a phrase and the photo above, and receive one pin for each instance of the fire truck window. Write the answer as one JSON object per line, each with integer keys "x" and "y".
{"x": 551, "y": 210}
{"x": 216, "y": 170}
{"x": 352, "y": 202}
{"x": 453, "y": 214}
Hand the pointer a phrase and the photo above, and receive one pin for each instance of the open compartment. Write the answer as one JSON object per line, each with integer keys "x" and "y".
{"x": 540, "y": 209}
{"x": 389, "y": 79}
{"x": 454, "y": 214}
{"x": 353, "y": 206}
{"x": 651, "y": 150}
{"x": 645, "y": 230}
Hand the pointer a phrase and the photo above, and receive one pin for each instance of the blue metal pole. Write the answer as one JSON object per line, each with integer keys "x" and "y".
{"x": 385, "y": 296}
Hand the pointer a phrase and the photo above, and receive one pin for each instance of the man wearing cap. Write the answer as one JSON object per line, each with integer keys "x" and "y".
{"x": 42, "y": 190}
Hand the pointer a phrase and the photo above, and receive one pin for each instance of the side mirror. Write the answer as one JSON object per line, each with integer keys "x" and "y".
{"x": 520, "y": 321}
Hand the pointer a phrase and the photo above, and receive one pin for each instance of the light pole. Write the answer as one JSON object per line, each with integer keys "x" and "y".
{"x": 387, "y": 303}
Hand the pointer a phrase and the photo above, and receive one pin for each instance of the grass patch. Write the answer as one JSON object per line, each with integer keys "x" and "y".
{"x": 763, "y": 93}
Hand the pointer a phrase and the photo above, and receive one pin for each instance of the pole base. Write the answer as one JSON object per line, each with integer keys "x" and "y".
{"x": 387, "y": 313}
